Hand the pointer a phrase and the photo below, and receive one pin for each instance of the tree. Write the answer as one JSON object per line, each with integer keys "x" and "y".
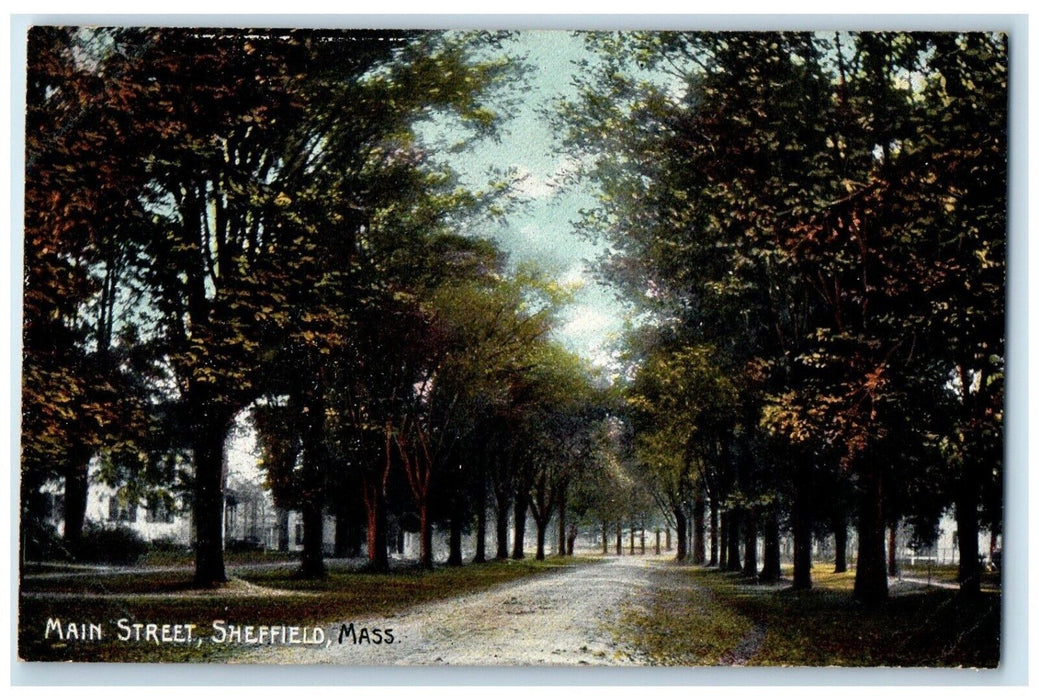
{"x": 266, "y": 155}
{"x": 480, "y": 334}
{"x": 556, "y": 433}
{"x": 683, "y": 410}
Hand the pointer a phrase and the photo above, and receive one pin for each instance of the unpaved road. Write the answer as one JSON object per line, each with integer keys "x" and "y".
{"x": 564, "y": 618}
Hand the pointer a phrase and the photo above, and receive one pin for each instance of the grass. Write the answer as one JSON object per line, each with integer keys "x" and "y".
{"x": 948, "y": 573}
{"x": 825, "y": 626}
{"x": 343, "y": 596}
{"x": 164, "y": 558}
{"x": 185, "y": 557}
{"x": 683, "y": 624}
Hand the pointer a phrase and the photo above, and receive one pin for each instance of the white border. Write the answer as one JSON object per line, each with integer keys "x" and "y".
{"x": 1013, "y": 670}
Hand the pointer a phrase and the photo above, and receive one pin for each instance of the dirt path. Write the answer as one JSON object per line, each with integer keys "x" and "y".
{"x": 564, "y": 618}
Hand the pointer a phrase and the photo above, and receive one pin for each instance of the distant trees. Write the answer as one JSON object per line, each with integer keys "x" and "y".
{"x": 683, "y": 409}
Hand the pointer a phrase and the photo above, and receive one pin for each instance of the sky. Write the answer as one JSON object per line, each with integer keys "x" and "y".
{"x": 539, "y": 229}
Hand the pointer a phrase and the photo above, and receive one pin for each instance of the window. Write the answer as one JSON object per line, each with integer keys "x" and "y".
{"x": 159, "y": 511}
{"x": 120, "y": 512}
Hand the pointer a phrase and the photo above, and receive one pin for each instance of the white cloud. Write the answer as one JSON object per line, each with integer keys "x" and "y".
{"x": 532, "y": 185}
{"x": 587, "y": 321}
{"x": 575, "y": 275}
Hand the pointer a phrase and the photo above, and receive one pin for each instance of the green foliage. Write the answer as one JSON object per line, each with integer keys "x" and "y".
{"x": 259, "y": 203}
{"x": 109, "y": 545}
{"x": 798, "y": 202}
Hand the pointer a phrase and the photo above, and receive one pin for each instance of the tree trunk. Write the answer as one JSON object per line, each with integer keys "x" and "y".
{"x": 657, "y": 550}
{"x": 714, "y": 533}
{"x": 699, "y": 545}
{"x": 771, "y": 571}
{"x": 802, "y": 552}
{"x": 840, "y": 544}
{"x": 542, "y": 528}
{"x": 283, "y": 529}
{"x": 519, "y": 513}
{"x": 733, "y": 545}
{"x": 619, "y": 552}
{"x": 892, "y": 549}
{"x": 642, "y": 540}
{"x": 967, "y": 539}
{"x": 750, "y": 543}
{"x": 312, "y": 563}
{"x": 680, "y": 525}
{"x": 605, "y": 541}
{"x": 667, "y": 538}
{"x": 481, "y": 520}
{"x": 562, "y": 521}
{"x": 315, "y": 465}
{"x": 723, "y": 538}
{"x": 802, "y": 527}
{"x": 871, "y": 568}
{"x": 375, "y": 509}
{"x": 631, "y": 540}
{"x": 454, "y": 541}
{"x": 209, "y": 502}
{"x": 344, "y": 535}
{"x": 75, "y": 508}
{"x": 502, "y": 525}
{"x": 570, "y": 539}
{"x": 425, "y": 529}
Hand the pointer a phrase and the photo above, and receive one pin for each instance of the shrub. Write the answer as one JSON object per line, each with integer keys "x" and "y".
{"x": 42, "y": 542}
{"x": 168, "y": 544}
{"x": 245, "y": 544}
{"x": 118, "y": 545}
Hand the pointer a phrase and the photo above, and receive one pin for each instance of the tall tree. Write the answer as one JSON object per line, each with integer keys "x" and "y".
{"x": 266, "y": 152}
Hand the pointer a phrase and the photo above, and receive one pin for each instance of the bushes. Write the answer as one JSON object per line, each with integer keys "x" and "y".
{"x": 168, "y": 545}
{"x": 42, "y": 542}
{"x": 244, "y": 544}
{"x": 101, "y": 545}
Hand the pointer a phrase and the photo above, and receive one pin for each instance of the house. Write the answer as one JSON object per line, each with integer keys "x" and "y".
{"x": 251, "y": 520}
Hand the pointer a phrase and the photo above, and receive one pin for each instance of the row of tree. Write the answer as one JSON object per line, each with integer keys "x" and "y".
{"x": 222, "y": 222}
{"x": 813, "y": 227}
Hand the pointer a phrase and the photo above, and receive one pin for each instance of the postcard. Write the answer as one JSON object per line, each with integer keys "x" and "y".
{"x": 531, "y": 348}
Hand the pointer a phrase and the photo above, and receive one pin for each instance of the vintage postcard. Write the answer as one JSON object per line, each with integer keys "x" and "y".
{"x": 513, "y": 348}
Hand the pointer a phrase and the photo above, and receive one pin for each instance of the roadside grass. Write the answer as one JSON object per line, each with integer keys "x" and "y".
{"x": 683, "y": 624}
{"x": 342, "y": 596}
{"x": 185, "y": 557}
{"x": 948, "y": 573}
{"x": 824, "y": 626}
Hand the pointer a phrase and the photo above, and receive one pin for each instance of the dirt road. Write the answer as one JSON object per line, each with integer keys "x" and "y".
{"x": 564, "y": 618}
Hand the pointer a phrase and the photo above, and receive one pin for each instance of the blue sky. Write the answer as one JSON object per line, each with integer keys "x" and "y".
{"x": 539, "y": 229}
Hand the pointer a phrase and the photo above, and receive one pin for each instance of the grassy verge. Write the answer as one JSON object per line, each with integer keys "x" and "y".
{"x": 187, "y": 558}
{"x": 167, "y": 599}
{"x": 695, "y": 621}
{"x": 948, "y": 573}
{"x": 684, "y": 624}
